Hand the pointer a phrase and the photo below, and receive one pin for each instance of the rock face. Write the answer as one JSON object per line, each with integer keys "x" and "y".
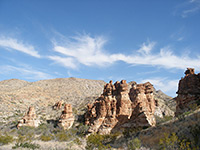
{"x": 29, "y": 119}
{"x": 58, "y": 105}
{"x": 66, "y": 119}
{"x": 117, "y": 107}
{"x": 143, "y": 104}
{"x": 165, "y": 105}
{"x": 188, "y": 92}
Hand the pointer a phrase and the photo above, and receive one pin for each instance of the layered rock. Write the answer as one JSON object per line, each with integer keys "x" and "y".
{"x": 188, "y": 92}
{"x": 117, "y": 107}
{"x": 143, "y": 104}
{"x": 58, "y": 105}
{"x": 66, "y": 119}
{"x": 30, "y": 119}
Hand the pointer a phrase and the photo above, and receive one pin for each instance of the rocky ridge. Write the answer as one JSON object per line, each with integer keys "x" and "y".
{"x": 118, "y": 107}
{"x": 188, "y": 92}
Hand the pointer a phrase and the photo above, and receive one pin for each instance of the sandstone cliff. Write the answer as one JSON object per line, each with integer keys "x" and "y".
{"x": 119, "y": 107}
{"x": 30, "y": 119}
{"x": 188, "y": 92}
{"x": 66, "y": 119}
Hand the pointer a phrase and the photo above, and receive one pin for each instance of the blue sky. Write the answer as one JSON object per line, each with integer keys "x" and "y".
{"x": 109, "y": 39}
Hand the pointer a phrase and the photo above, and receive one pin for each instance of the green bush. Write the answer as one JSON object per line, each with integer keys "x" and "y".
{"x": 24, "y": 130}
{"x": 164, "y": 119}
{"x": 134, "y": 143}
{"x": 82, "y": 130}
{"x": 46, "y": 137}
{"x": 130, "y": 131}
{"x": 63, "y": 136}
{"x": 97, "y": 141}
{"x": 44, "y": 128}
{"x": 77, "y": 141}
{"x": 172, "y": 142}
{"x": 26, "y": 145}
{"x": 195, "y": 131}
{"x": 6, "y": 139}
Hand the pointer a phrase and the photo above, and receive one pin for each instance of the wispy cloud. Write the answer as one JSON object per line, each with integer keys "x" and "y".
{"x": 25, "y": 72}
{"x": 146, "y": 47}
{"x": 84, "y": 50}
{"x": 178, "y": 35}
{"x": 188, "y": 8}
{"x": 164, "y": 84}
{"x": 10, "y": 43}
{"x": 89, "y": 51}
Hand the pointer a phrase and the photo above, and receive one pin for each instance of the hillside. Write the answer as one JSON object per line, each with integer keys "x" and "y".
{"x": 17, "y": 95}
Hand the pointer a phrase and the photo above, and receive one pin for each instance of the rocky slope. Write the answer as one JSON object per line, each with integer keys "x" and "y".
{"x": 17, "y": 95}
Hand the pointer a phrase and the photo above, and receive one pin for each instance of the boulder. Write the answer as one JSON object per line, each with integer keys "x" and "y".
{"x": 30, "y": 119}
{"x": 66, "y": 119}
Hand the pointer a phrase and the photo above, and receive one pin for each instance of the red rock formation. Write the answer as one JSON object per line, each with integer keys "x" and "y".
{"x": 29, "y": 119}
{"x": 66, "y": 119}
{"x": 143, "y": 105}
{"x": 58, "y": 105}
{"x": 114, "y": 108}
{"x": 188, "y": 92}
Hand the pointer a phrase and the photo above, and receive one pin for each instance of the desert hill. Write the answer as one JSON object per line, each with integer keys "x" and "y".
{"x": 17, "y": 95}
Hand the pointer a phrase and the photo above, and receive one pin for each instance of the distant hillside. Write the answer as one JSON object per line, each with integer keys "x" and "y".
{"x": 17, "y": 95}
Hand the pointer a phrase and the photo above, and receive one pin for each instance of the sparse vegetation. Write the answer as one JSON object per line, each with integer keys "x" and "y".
{"x": 164, "y": 119}
{"x": 134, "y": 144}
{"x": 173, "y": 142}
{"x": 26, "y": 145}
{"x": 128, "y": 132}
{"x": 97, "y": 141}
{"x": 46, "y": 138}
{"x": 6, "y": 139}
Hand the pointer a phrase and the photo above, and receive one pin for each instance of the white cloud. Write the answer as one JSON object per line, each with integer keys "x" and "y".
{"x": 191, "y": 7}
{"x": 164, "y": 84}
{"x": 14, "y": 44}
{"x": 83, "y": 50}
{"x": 90, "y": 51}
{"x": 66, "y": 62}
{"x": 146, "y": 47}
{"x": 26, "y": 72}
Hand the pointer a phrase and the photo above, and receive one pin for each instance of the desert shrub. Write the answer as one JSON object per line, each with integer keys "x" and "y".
{"x": 134, "y": 144}
{"x": 77, "y": 141}
{"x": 173, "y": 142}
{"x": 46, "y": 137}
{"x": 82, "y": 130}
{"x": 181, "y": 117}
{"x": 195, "y": 132}
{"x": 75, "y": 111}
{"x": 6, "y": 139}
{"x": 44, "y": 128}
{"x": 26, "y": 145}
{"x": 97, "y": 141}
{"x": 26, "y": 130}
{"x": 21, "y": 139}
{"x": 130, "y": 131}
{"x": 162, "y": 120}
{"x": 65, "y": 135}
